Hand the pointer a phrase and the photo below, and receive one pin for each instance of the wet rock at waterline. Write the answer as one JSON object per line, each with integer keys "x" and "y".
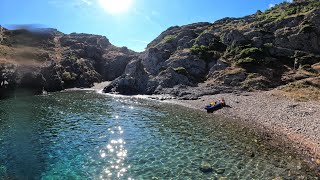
{"x": 206, "y": 167}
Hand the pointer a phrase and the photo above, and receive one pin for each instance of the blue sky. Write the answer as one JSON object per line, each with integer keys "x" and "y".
{"x": 134, "y": 27}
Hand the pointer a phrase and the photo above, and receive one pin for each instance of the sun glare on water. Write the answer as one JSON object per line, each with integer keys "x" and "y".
{"x": 116, "y": 6}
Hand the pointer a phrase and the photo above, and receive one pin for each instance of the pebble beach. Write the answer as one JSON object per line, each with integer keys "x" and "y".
{"x": 277, "y": 118}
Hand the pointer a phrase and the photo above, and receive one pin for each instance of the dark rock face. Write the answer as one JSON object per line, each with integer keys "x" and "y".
{"x": 135, "y": 80}
{"x": 234, "y": 37}
{"x": 17, "y": 77}
{"x": 115, "y": 63}
{"x": 52, "y": 74}
{"x": 7, "y": 79}
{"x": 50, "y": 60}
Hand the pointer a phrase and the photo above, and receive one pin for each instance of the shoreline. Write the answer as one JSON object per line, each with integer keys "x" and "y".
{"x": 282, "y": 122}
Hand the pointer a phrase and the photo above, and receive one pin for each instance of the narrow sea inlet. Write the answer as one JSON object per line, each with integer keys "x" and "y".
{"x": 86, "y": 135}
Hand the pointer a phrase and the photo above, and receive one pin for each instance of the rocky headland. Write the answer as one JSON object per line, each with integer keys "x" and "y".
{"x": 47, "y": 60}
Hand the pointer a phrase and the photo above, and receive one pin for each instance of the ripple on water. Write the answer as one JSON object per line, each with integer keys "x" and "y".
{"x": 85, "y": 135}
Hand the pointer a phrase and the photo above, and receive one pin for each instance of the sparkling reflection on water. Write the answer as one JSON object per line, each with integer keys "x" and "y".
{"x": 84, "y": 135}
{"x": 115, "y": 152}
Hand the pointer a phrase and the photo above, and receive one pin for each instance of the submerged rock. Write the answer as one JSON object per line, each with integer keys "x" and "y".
{"x": 220, "y": 170}
{"x": 206, "y": 167}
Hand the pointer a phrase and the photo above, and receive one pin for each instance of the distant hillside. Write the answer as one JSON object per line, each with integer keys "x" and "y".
{"x": 261, "y": 51}
{"x": 46, "y": 59}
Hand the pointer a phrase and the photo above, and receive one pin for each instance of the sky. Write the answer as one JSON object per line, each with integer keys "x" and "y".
{"x": 131, "y": 23}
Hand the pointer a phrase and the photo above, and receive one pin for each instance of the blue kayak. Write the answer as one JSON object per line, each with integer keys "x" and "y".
{"x": 215, "y": 107}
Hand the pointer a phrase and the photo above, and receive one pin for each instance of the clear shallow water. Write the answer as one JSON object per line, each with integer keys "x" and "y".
{"x": 85, "y": 135}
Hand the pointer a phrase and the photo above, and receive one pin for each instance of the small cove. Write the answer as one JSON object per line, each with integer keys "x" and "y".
{"x": 86, "y": 135}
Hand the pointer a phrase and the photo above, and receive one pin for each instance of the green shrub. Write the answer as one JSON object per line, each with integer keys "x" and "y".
{"x": 251, "y": 52}
{"x": 67, "y": 76}
{"x": 196, "y": 49}
{"x": 204, "y": 52}
{"x": 250, "y": 75}
{"x": 268, "y": 45}
{"x": 292, "y": 11}
{"x": 167, "y": 38}
{"x": 283, "y": 10}
{"x": 181, "y": 70}
{"x": 306, "y": 66}
{"x": 234, "y": 49}
{"x": 246, "y": 61}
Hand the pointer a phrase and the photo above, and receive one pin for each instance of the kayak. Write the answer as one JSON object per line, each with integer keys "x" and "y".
{"x": 210, "y": 108}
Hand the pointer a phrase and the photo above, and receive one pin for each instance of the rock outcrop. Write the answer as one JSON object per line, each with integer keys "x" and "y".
{"x": 46, "y": 59}
{"x": 260, "y": 51}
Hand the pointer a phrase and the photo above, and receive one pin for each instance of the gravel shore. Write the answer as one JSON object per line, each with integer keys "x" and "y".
{"x": 279, "y": 119}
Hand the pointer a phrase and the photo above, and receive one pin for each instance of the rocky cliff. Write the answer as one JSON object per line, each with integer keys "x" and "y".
{"x": 280, "y": 46}
{"x": 46, "y": 59}
{"x": 261, "y": 51}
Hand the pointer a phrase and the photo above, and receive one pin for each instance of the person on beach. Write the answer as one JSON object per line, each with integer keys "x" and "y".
{"x": 213, "y": 106}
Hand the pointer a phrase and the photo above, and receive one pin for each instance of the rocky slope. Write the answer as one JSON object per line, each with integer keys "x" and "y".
{"x": 276, "y": 48}
{"x": 46, "y": 59}
{"x": 261, "y": 51}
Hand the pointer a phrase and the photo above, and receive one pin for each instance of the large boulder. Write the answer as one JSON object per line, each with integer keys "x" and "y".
{"x": 153, "y": 59}
{"x": 170, "y": 78}
{"x": 16, "y": 77}
{"x": 234, "y": 37}
{"x": 133, "y": 81}
{"x": 114, "y": 64}
{"x": 216, "y": 66}
{"x": 30, "y": 78}
{"x": 79, "y": 73}
{"x": 194, "y": 66}
{"x": 52, "y": 72}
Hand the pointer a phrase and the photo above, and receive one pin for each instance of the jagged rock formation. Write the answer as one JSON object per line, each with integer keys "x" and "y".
{"x": 46, "y": 59}
{"x": 260, "y": 51}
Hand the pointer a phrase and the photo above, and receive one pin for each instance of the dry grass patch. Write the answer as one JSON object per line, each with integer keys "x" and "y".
{"x": 316, "y": 67}
{"x": 301, "y": 91}
{"x": 23, "y": 55}
{"x": 232, "y": 71}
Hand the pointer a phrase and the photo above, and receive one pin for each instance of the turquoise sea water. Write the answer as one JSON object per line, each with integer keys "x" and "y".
{"x": 85, "y": 135}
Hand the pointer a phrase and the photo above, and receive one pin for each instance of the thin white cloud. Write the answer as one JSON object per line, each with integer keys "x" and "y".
{"x": 271, "y": 5}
